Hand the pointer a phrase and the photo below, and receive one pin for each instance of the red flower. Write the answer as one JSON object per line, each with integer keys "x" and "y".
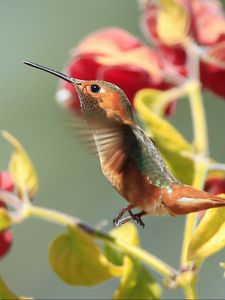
{"x": 6, "y": 181}
{"x": 116, "y": 56}
{"x": 215, "y": 185}
{"x": 206, "y": 29}
{"x": 6, "y": 238}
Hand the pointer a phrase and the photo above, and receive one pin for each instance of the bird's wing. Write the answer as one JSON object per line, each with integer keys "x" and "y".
{"x": 117, "y": 143}
{"x": 81, "y": 130}
{"x": 114, "y": 143}
{"x": 110, "y": 141}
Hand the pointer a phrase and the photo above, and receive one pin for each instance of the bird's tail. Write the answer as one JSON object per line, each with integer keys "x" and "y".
{"x": 186, "y": 199}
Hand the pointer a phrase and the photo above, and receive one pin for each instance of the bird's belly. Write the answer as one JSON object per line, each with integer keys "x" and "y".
{"x": 150, "y": 199}
{"x": 137, "y": 189}
{"x": 155, "y": 207}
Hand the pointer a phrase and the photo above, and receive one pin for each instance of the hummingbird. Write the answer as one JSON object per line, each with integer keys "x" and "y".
{"x": 129, "y": 158}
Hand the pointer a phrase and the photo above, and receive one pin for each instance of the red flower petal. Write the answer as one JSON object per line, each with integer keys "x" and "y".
{"x": 6, "y": 181}
{"x": 171, "y": 108}
{"x": 116, "y": 56}
{"x": 108, "y": 41}
{"x": 209, "y": 20}
{"x": 82, "y": 67}
{"x": 2, "y": 204}
{"x": 6, "y": 239}
{"x": 174, "y": 57}
{"x": 149, "y": 22}
{"x": 213, "y": 78}
{"x": 129, "y": 78}
{"x": 215, "y": 186}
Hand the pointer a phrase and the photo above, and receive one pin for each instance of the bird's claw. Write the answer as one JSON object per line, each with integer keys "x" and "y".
{"x": 118, "y": 220}
{"x": 137, "y": 218}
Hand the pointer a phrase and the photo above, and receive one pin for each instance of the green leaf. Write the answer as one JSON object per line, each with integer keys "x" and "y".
{"x": 5, "y": 220}
{"x": 6, "y": 293}
{"x": 174, "y": 148}
{"x": 77, "y": 259}
{"x": 172, "y": 22}
{"x": 136, "y": 283}
{"x": 21, "y": 168}
{"x": 126, "y": 233}
{"x": 209, "y": 237}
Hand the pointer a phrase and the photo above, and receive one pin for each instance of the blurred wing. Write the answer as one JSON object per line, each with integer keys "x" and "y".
{"x": 114, "y": 144}
{"x": 111, "y": 141}
{"x": 82, "y": 131}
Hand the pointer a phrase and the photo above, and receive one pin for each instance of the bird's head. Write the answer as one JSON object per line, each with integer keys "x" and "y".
{"x": 100, "y": 100}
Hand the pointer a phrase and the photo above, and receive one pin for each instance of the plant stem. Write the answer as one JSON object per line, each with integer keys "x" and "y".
{"x": 10, "y": 200}
{"x": 201, "y": 161}
{"x": 201, "y": 168}
{"x": 188, "y": 231}
{"x": 190, "y": 291}
{"x": 52, "y": 216}
{"x": 151, "y": 260}
{"x": 64, "y": 219}
{"x": 198, "y": 119}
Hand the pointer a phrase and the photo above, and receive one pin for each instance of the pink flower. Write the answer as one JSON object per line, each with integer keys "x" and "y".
{"x": 6, "y": 238}
{"x": 207, "y": 31}
{"x": 215, "y": 185}
{"x": 116, "y": 56}
{"x": 6, "y": 181}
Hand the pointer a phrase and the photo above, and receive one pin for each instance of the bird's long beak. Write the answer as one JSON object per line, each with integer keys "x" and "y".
{"x": 51, "y": 71}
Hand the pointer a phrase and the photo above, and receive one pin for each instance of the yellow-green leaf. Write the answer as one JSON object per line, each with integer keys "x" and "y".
{"x": 128, "y": 234}
{"x": 136, "y": 283}
{"x": 172, "y": 22}
{"x": 6, "y": 293}
{"x": 209, "y": 237}
{"x": 77, "y": 259}
{"x": 5, "y": 220}
{"x": 175, "y": 149}
{"x": 21, "y": 168}
{"x": 222, "y": 265}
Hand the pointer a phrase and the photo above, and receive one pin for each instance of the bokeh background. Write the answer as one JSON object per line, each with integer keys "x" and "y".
{"x": 70, "y": 179}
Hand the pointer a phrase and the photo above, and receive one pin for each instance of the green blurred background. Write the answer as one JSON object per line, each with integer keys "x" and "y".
{"x": 70, "y": 179}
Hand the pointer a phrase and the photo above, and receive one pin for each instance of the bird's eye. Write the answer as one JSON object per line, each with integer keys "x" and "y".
{"x": 95, "y": 88}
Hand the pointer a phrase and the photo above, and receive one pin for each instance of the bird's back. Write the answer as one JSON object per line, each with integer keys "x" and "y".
{"x": 149, "y": 161}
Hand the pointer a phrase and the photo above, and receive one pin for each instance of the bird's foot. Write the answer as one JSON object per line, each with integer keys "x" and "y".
{"x": 118, "y": 220}
{"x": 137, "y": 217}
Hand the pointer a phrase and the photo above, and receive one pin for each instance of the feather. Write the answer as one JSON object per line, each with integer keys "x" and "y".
{"x": 114, "y": 145}
{"x": 80, "y": 129}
